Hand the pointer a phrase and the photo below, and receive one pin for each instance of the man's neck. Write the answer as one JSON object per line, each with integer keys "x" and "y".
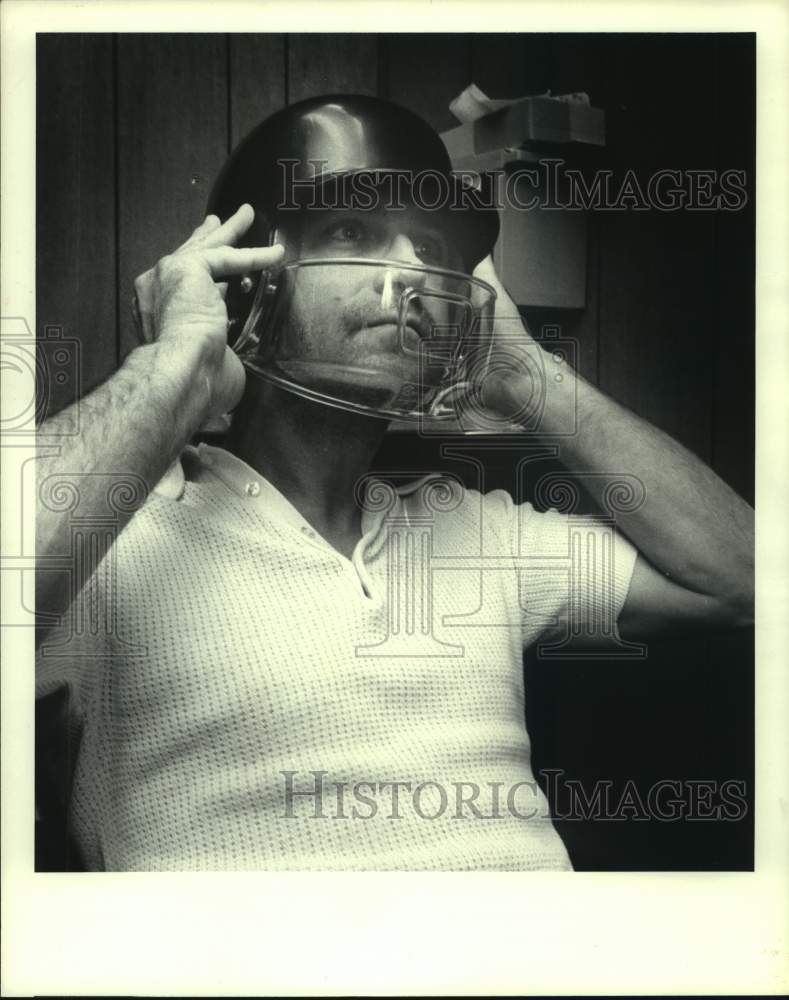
{"x": 313, "y": 454}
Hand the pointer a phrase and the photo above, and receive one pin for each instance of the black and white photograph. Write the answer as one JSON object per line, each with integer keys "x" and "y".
{"x": 446, "y": 561}
{"x": 395, "y": 416}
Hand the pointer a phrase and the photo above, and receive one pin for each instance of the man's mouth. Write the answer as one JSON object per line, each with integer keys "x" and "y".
{"x": 417, "y": 327}
{"x": 389, "y": 336}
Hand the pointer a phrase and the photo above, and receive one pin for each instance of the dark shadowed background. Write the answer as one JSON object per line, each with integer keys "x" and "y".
{"x": 132, "y": 129}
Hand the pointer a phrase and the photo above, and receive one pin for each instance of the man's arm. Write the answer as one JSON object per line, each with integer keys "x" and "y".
{"x": 694, "y": 534}
{"x": 136, "y": 424}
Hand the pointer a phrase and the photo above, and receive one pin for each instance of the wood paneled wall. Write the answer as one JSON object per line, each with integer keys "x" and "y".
{"x": 133, "y": 128}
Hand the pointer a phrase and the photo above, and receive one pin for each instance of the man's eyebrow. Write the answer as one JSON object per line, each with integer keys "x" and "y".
{"x": 339, "y": 214}
{"x": 425, "y": 228}
{"x": 326, "y": 219}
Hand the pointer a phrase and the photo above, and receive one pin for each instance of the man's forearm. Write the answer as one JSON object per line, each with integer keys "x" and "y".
{"x": 691, "y": 525}
{"x": 134, "y": 426}
{"x": 131, "y": 429}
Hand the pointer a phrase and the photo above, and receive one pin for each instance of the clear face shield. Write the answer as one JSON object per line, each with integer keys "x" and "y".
{"x": 348, "y": 323}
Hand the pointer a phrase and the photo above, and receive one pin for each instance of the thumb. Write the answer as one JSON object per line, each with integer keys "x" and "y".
{"x": 229, "y": 385}
{"x": 487, "y": 272}
{"x": 506, "y": 307}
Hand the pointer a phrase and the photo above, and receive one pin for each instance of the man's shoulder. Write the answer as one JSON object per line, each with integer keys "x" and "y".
{"x": 189, "y": 502}
{"x": 445, "y": 501}
{"x": 197, "y": 474}
{"x": 189, "y": 467}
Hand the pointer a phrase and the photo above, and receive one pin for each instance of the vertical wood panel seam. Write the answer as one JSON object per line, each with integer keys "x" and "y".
{"x": 712, "y": 371}
{"x": 596, "y": 246}
{"x": 382, "y": 81}
{"x": 286, "y": 67}
{"x": 228, "y": 93}
{"x": 116, "y": 192}
{"x": 712, "y": 343}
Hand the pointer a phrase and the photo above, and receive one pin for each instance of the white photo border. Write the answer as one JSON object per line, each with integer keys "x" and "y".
{"x": 407, "y": 933}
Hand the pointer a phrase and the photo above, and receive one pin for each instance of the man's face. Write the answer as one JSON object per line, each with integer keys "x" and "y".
{"x": 341, "y": 330}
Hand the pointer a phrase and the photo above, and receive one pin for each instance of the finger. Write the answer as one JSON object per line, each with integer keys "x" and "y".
{"x": 225, "y": 262}
{"x": 209, "y": 223}
{"x": 231, "y": 231}
{"x": 217, "y": 425}
{"x": 222, "y": 286}
{"x": 487, "y": 272}
{"x": 146, "y": 322}
{"x": 143, "y": 295}
{"x": 143, "y": 323}
{"x": 149, "y": 330}
{"x": 137, "y": 319}
{"x": 229, "y": 386}
{"x": 505, "y": 306}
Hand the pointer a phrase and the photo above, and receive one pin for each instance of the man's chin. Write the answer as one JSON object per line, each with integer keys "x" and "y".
{"x": 388, "y": 338}
{"x": 378, "y": 383}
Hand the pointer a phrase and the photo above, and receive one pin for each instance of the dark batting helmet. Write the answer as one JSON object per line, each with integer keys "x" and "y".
{"x": 352, "y": 152}
{"x": 314, "y": 153}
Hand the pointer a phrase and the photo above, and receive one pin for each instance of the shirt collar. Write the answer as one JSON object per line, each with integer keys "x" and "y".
{"x": 253, "y": 488}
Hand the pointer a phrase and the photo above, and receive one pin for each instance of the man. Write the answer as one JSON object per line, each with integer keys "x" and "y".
{"x": 307, "y": 667}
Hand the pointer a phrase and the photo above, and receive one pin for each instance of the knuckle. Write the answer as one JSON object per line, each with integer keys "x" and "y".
{"x": 162, "y": 266}
{"x": 142, "y": 282}
{"x": 170, "y": 267}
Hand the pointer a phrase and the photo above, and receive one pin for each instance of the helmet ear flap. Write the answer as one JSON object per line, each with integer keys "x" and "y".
{"x": 241, "y": 290}
{"x": 263, "y": 299}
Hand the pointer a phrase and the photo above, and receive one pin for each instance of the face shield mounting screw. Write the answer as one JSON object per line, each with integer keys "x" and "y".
{"x": 246, "y": 284}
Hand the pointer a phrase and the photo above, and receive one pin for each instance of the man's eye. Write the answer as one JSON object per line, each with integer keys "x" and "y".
{"x": 347, "y": 232}
{"x": 429, "y": 250}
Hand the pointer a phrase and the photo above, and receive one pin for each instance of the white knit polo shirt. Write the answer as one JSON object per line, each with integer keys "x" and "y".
{"x": 262, "y": 702}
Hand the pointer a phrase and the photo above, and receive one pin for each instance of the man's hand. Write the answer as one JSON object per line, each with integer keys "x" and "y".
{"x": 693, "y": 533}
{"x": 515, "y": 380}
{"x": 180, "y": 306}
{"x": 137, "y": 423}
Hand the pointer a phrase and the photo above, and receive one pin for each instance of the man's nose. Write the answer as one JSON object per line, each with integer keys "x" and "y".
{"x": 390, "y": 282}
{"x": 402, "y": 248}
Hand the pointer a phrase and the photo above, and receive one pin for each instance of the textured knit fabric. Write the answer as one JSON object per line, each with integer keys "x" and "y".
{"x": 247, "y": 660}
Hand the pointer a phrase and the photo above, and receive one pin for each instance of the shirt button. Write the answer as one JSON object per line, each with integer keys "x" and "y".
{"x": 253, "y": 489}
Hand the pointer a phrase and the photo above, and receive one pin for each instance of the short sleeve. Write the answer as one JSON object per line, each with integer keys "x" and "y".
{"x": 79, "y": 643}
{"x": 574, "y": 572}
